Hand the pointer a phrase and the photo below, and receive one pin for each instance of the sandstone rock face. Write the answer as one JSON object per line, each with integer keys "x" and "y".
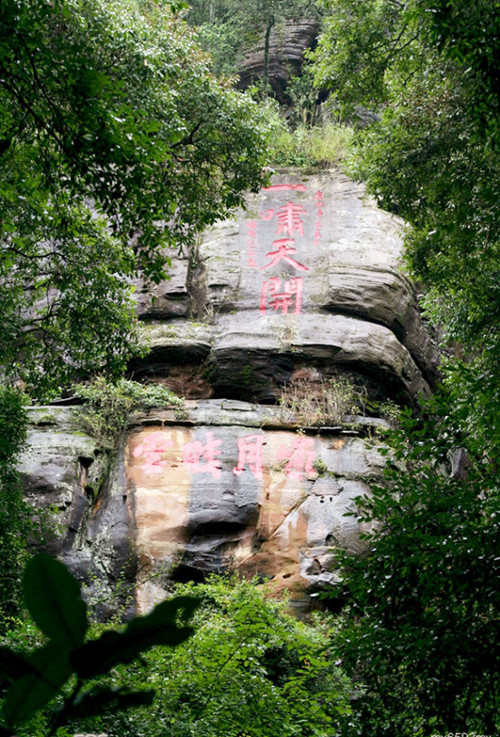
{"x": 225, "y": 485}
{"x": 310, "y": 273}
{"x": 286, "y": 56}
{"x": 234, "y": 491}
{"x": 301, "y": 289}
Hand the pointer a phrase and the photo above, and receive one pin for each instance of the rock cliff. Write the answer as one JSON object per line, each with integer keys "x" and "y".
{"x": 263, "y": 327}
{"x": 286, "y": 56}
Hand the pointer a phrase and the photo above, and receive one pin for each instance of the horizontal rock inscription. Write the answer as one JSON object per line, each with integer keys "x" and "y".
{"x": 214, "y": 497}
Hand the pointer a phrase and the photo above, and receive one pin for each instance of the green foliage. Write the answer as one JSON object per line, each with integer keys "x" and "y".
{"x": 116, "y": 142}
{"x": 468, "y": 35}
{"x": 249, "y": 669}
{"x": 304, "y": 97}
{"x": 423, "y": 631}
{"x": 52, "y": 596}
{"x": 320, "y": 147}
{"x": 312, "y": 147}
{"x": 109, "y": 404}
{"x": 229, "y": 28}
{"x": 357, "y": 44}
{"x": 14, "y": 512}
{"x": 33, "y": 680}
{"x": 433, "y": 157}
{"x": 220, "y": 39}
{"x": 424, "y": 163}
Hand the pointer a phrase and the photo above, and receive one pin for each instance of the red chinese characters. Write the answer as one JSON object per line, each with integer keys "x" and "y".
{"x": 283, "y": 187}
{"x": 278, "y": 294}
{"x": 318, "y": 206}
{"x": 267, "y": 215}
{"x": 288, "y": 217}
{"x": 300, "y": 456}
{"x": 203, "y": 458}
{"x": 152, "y": 450}
{"x": 251, "y": 244}
{"x": 250, "y": 453}
{"x": 291, "y": 296}
{"x": 289, "y": 220}
{"x": 284, "y": 249}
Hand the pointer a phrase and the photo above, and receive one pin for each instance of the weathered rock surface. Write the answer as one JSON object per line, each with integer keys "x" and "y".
{"x": 301, "y": 288}
{"x": 76, "y": 489}
{"x": 230, "y": 485}
{"x": 168, "y": 299}
{"x": 286, "y": 56}
{"x": 309, "y": 273}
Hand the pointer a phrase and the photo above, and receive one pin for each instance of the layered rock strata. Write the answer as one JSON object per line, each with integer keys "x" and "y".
{"x": 309, "y": 274}
{"x": 298, "y": 296}
{"x": 287, "y": 46}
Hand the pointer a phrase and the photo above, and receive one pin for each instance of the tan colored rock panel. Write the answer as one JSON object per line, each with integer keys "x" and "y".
{"x": 211, "y": 497}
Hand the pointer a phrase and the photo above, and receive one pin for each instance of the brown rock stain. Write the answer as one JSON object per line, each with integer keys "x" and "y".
{"x": 160, "y": 502}
{"x": 338, "y": 443}
{"x": 279, "y": 556}
{"x": 282, "y": 525}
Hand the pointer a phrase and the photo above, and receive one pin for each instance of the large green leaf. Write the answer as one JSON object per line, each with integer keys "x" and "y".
{"x": 52, "y": 596}
{"x": 31, "y": 692}
{"x": 142, "y": 633}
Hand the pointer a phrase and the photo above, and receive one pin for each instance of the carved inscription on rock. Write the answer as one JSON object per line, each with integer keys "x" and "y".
{"x": 213, "y": 497}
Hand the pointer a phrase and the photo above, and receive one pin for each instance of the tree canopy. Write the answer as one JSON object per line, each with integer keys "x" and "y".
{"x": 423, "y": 630}
{"x": 433, "y": 157}
{"x": 116, "y": 144}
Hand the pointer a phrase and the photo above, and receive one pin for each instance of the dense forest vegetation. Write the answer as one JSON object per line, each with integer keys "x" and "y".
{"x": 122, "y": 135}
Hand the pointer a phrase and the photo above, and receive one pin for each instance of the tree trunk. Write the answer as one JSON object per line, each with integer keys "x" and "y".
{"x": 270, "y": 24}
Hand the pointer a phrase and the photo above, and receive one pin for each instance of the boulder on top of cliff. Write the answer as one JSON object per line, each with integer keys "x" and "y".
{"x": 286, "y": 56}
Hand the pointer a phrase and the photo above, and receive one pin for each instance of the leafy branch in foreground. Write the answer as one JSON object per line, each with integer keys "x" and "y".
{"x": 52, "y": 597}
